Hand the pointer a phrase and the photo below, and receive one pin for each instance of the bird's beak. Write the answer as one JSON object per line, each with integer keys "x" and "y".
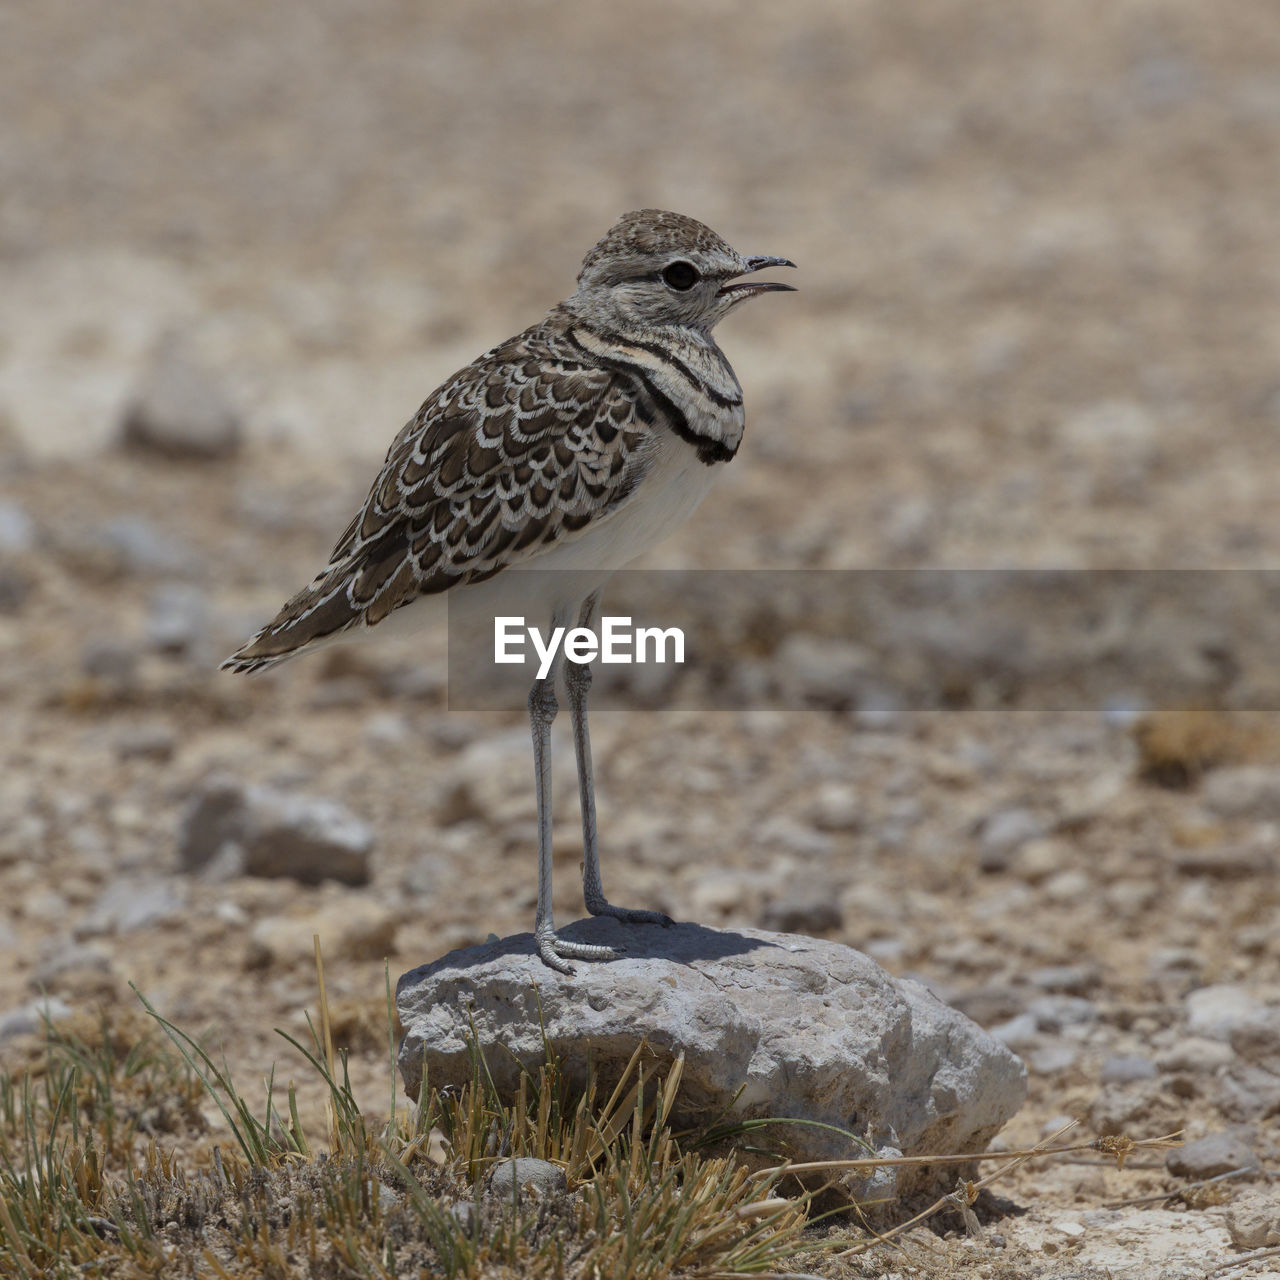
{"x": 739, "y": 288}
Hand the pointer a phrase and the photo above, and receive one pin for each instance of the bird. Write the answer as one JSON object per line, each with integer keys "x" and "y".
{"x": 577, "y": 445}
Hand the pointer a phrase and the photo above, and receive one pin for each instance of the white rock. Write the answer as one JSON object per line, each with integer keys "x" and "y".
{"x": 17, "y": 530}
{"x": 30, "y": 1019}
{"x": 351, "y": 929}
{"x": 1020, "y": 1032}
{"x": 131, "y": 904}
{"x": 1254, "y": 1220}
{"x": 837, "y": 807}
{"x": 528, "y": 1174}
{"x": 179, "y": 410}
{"x": 266, "y": 832}
{"x": 804, "y": 1028}
{"x": 1244, "y": 791}
{"x": 1215, "y": 1011}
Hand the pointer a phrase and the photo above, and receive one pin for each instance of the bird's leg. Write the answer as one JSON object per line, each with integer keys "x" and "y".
{"x": 577, "y": 679}
{"x": 553, "y": 950}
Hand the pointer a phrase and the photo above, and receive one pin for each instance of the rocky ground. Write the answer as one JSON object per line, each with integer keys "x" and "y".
{"x": 1038, "y": 326}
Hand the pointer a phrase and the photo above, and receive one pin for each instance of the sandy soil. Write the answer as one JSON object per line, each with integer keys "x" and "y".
{"x": 1039, "y": 326}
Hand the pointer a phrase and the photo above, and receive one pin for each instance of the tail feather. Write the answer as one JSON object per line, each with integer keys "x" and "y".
{"x": 317, "y": 613}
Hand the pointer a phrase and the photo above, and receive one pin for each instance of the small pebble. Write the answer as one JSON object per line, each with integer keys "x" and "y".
{"x": 1253, "y": 1220}
{"x": 1211, "y": 1155}
{"x": 1053, "y": 1059}
{"x": 180, "y": 410}
{"x": 529, "y": 1174}
{"x": 1018, "y": 1033}
{"x": 1215, "y": 1011}
{"x": 30, "y": 1019}
{"x": 147, "y": 742}
{"x": 1124, "y": 1068}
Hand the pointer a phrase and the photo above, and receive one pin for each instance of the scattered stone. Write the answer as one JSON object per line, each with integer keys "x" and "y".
{"x": 881, "y": 1186}
{"x": 783, "y": 832}
{"x": 1175, "y": 965}
{"x": 1196, "y": 1055}
{"x": 1002, "y": 833}
{"x": 717, "y": 894}
{"x": 138, "y": 547}
{"x": 463, "y": 1212}
{"x": 1053, "y": 1013}
{"x": 72, "y": 964}
{"x": 1244, "y": 791}
{"x": 179, "y": 410}
{"x": 1253, "y": 1219}
{"x": 805, "y": 909}
{"x": 1056, "y": 1124}
{"x": 1247, "y": 1092}
{"x": 274, "y": 833}
{"x": 479, "y": 786}
{"x": 231, "y": 913}
{"x": 1053, "y": 1059}
{"x": 1256, "y": 1037}
{"x": 387, "y": 730}
{"x": 1066, "y": 979}
{"x": 1228, "y": 862}
{"x": 879, "y": 711}
{"x": 815, "y": 1031}
{"x": 177, "y": 618}
{"x": 1069, "y": 887}
{"x": 1124, "y": 1068}
{"x": 837, "y": 807}
{"x": 1211, "y": 1155}
{"x": 426, "y": 875}
{"x": 822, "y": 671}
{"x": 15, "y": 587}
{"x": 30, "y": 1019}
{"x": 127, "y": 905}
{"x": 17, "y": 530}
{"x": 405, "y": 684}
{"x": 1019, "y": 1033}
{"x": 155, "y": 741}
{"x": 1037, "y": 860}
{"x": 352, "y": 929}
{"x": 1120, "y": 1107}
{"x": 112, "y": 660}
{"x": 525, "y": 1174}
{"x": 1216, "y": 1010}
{"x": 339, "y": 694}
{"x": 989, "y": 1003}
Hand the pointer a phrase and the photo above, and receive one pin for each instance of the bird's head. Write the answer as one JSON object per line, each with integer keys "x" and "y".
{"x": 654, "y": 268}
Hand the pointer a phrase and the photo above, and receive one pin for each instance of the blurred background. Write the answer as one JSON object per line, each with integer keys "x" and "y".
{"x": 1039, "y": 325}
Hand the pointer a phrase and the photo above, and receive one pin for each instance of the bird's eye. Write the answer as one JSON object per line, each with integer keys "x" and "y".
{"x": 681, "y": 275}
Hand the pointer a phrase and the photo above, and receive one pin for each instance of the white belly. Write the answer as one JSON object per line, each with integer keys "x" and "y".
{"x": 667, "y": 496}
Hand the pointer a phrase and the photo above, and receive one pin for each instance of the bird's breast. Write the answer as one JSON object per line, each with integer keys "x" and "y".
{"x": 690, "y": 377}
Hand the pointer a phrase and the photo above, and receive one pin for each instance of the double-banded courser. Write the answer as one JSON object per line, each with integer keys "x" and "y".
{"x": 575, "y": 445}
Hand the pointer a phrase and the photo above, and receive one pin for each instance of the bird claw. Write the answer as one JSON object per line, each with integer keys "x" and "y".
{"x": 627, "y": 915}
{"x": 554, "y": 951}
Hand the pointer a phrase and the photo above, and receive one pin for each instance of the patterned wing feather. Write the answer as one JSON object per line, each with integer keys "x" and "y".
{"x": 526, "y": 447}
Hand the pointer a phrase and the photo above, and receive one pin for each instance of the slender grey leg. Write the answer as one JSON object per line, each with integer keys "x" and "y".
{"x": 577, "y": 681}
{"x": 542, "y": 711}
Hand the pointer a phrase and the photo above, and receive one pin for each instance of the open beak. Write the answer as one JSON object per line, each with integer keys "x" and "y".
{"x": 739, "y": 288}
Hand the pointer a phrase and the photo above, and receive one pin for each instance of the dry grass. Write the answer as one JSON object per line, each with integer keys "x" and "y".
{"x": 107, "y": 1166}
{"x": 1176, "y": 748}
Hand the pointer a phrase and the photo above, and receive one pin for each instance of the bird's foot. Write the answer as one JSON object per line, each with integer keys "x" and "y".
{"x": 556, "y": 951}
{"x": 602, "y": 907}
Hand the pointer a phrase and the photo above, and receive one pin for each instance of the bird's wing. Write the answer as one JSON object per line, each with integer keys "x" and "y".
{"x": 526, "y": 447}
